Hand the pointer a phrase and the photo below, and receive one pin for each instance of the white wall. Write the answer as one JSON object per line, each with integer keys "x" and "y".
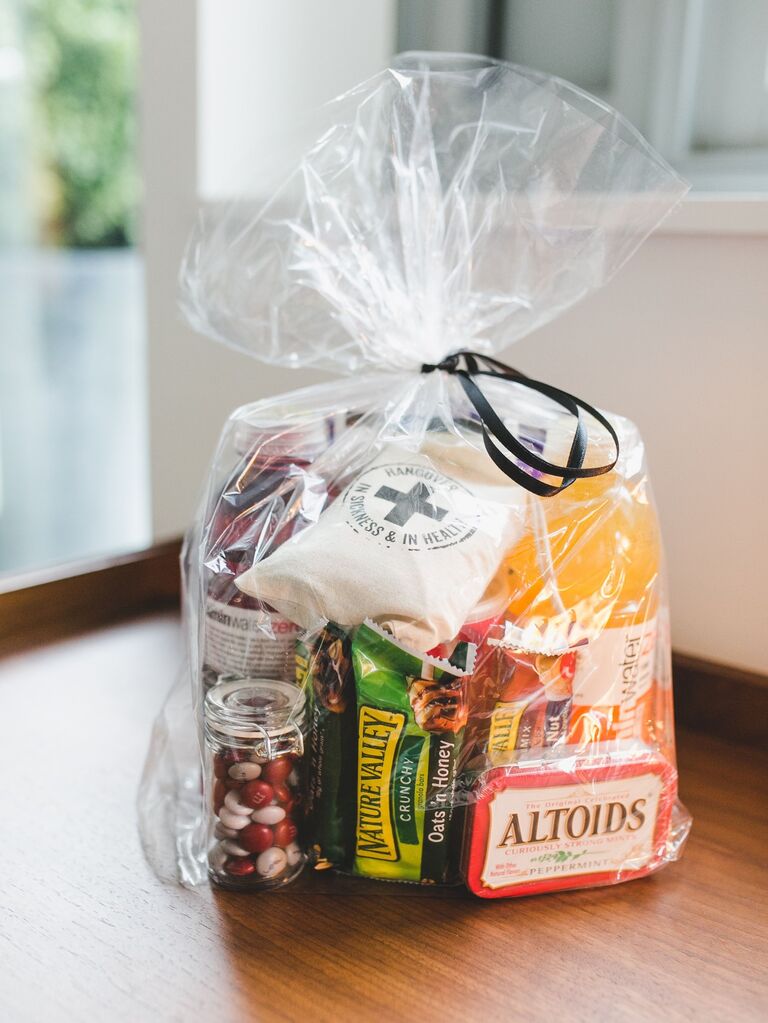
{"x": 194, "y": 383}
{"x": 255, "y": 112}
{"x": 678, "y": 342}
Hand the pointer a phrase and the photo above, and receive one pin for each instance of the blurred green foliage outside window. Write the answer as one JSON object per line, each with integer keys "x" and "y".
{"x": 82, "y": 64}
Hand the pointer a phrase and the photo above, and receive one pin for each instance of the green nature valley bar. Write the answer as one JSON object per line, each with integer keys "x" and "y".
{"x": 406, "y": 759}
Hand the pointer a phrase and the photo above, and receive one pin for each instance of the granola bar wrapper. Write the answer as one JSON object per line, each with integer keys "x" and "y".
{"x": 411, "y": 713}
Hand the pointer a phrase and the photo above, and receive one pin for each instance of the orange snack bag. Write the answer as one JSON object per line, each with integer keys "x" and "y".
{"x": 585, "y": 577}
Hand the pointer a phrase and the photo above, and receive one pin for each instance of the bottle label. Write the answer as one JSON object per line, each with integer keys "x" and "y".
{"x": 238, "y": 642}
{"x": 614, "y": 679}
{"x": 540, "y": 834}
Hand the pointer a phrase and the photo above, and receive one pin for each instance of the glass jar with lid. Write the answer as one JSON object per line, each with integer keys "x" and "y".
{"x": 254, "y": 735}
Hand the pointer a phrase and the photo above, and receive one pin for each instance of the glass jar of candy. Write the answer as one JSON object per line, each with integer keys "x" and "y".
{"x": 254, "y": 735}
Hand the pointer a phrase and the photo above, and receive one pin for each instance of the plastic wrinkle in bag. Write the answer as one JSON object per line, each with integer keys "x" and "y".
{"x": 428, "y": 632}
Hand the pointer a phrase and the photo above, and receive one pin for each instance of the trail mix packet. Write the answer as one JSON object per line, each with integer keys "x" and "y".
{"x": 324, "y": 668}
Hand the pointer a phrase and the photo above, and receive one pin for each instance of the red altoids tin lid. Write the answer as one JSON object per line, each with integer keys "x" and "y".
{"x": 559, "y": 822}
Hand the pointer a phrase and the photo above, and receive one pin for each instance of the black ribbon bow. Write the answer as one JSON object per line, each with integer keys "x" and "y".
{"x": 469, "y": 365}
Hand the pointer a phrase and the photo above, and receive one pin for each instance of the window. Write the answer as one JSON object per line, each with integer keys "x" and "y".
{"x": 73, "y": 442}
{"x": 692, "y": 75}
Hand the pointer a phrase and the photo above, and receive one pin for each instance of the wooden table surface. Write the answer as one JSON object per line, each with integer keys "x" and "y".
{"x": 88, "y": 933}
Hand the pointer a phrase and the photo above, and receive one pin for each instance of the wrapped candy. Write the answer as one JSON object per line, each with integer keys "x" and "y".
{"x": 456, "y": 569}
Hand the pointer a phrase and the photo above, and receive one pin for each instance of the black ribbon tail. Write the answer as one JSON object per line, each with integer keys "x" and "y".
{"x": 468, "y": 366}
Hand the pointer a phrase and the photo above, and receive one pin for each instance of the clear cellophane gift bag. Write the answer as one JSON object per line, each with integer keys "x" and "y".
{"x": 428, "y": 633}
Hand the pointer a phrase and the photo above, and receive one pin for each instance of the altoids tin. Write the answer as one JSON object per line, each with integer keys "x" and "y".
{"x": 559, "y": 821}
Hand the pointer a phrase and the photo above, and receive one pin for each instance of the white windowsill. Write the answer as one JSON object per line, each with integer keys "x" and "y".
{"x": 700, "y": 213}
{"x": 719, "y": 213}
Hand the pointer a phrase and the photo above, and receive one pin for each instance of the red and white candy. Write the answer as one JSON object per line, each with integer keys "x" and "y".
{"x": 233, "y": 804}
{"x": 233, "y": 849}
{"x": 252, "y": 800}
{"x": 271, "y": 862}
{"x": 269, "y": 815}
{"x": 245, "y": 771}
{"x": 234, "y": 821}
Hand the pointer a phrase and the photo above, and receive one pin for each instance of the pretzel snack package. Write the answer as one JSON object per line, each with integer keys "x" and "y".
{"x": 424, "y": 602}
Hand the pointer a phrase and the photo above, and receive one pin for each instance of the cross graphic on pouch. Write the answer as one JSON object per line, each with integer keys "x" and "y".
{"x": 414, "y": 502}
